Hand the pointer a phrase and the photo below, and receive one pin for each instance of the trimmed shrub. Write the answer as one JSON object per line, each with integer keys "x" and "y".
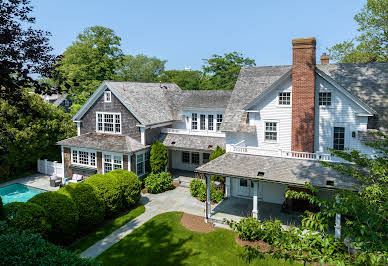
{"x": 158, "y": 159}
{"x": 62, "y": 214}
{"x": 109, "y": 189}
{"x": 248, "y": 229}
{"x": 158, "y": 183}
{"x": 198, "y": 189}
{"x": 130, "y": 186}
{"x": 195, "y": 186}
{"x": 2, "y": 212}
{"x": 90, "y": 205}
{"x": 22, "y": 248}
{"x": 217, "y": 195}
{"x": 27, "y": 216}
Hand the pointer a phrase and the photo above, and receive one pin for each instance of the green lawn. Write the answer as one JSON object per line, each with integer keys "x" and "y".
{"x": 164, "y": 241}
{"x": 106, "y": 230}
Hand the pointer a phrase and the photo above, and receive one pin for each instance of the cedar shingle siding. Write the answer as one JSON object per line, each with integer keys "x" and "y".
{"x": 128, "y": 121}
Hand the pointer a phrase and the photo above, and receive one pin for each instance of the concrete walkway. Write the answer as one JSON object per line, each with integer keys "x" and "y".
{"x": 41, "y": 181}
{"x": 178, "y": 199}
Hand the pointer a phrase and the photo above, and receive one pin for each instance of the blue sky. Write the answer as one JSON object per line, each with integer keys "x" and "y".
{"x": 185, "y": 32}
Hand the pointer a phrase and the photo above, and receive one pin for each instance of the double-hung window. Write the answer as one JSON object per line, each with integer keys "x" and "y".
{"x": 202, "y": 122}
{"x": 339, "y": 138}
{"x": 108, "y": 122}
{"x": 112, "y": 162}
{"x": 185, "y": 157}
{"x": 194, "y": 121}
{"x": 219, "y": 121}
{"x": 284, "y": 98}
{"x": 210, "y": 122}
{"x": 140, "y": 164}
{"x": 195, "y": 158}
{"x": 325, "y": 99}
{"x": 107, "y": 96}
{"x": 270, "y": 131}
{"x": 81, "y": 157}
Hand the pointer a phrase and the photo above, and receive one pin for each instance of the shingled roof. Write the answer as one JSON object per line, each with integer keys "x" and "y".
{"x": 366, "y": 81}
{"x": 104, "y": 142}
{"x": 278, "y": 170}
{"x": 190, "y": 142}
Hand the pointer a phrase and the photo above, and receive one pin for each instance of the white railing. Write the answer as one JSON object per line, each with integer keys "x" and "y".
{"x": 280, "y": 153}
{"x": 50, "y": 168}
{"x": 208, "y": 133}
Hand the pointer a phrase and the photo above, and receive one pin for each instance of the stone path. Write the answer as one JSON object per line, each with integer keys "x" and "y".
{"x": 37, "y": 180}
{"x": 178, "y": 199}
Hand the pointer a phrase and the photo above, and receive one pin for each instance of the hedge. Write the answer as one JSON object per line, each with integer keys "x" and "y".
{"x": 22, "y": 248}
{"x": 158, "y": 183}
{"x": 158, "y": 158}
{"x": 88, "y": 201}
{"x": 62, "y": 215}
{"x": 2, "y": 212}
{"x": 109, "y": 189}
{"x": 27, "y": 216}
{"x": 198, "y": 189}
{"x": 130, "y": 186}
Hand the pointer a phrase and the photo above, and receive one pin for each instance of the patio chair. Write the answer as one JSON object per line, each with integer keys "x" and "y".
{"x": 55, "y": 181}
{"x": 76, "y": 178}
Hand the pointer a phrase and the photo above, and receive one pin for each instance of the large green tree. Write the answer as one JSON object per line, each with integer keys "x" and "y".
{"x": 186, "y": 80}
{"x": 139, "y": 68}
{"x": 372, "y": 43}
{"x": 31, "y": 133}
{"x": 91, "y": 59}
{"x": 221, "y": 72}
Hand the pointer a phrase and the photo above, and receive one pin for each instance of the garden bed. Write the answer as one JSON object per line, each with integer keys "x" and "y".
{"x": 196, "y": 223}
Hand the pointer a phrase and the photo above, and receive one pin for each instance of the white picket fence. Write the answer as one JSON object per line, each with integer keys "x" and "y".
{"x": 50, "y": 168}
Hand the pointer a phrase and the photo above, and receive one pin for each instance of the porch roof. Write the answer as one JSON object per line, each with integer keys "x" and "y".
{"x": 278, "y": 170}
{"x": 190, "y": 142}
{"x": 104, "y": 142}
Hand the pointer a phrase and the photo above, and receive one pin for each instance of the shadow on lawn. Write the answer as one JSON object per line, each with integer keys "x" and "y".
{"x": 152, "y": 244}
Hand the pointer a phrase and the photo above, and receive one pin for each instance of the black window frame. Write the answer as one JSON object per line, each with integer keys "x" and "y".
{"x": 339, "y": 138}
{"x": 324, "y": 99}
{"x": 184, "y": 153}
{"x": 284, "y": 98}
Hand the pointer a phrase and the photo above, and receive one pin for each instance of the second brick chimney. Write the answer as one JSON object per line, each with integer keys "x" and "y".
{"x": 303, "y": 94}
{"x": 325, "y": 59}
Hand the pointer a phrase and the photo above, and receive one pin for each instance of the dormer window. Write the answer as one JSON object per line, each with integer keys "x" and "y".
{"x": 107, "y": 96}
{"x": 284, "y": 98}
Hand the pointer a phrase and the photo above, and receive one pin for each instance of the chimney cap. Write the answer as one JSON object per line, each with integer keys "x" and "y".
{"x": 304, "y": 41}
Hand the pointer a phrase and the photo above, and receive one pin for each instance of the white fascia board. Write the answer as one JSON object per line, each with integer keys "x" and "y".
{"x": 268, "y": 90}
{"x": 208, "y": 109}
{"x": 355, "y": 99}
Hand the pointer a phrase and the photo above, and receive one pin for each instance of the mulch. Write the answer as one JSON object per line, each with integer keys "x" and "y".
{"x": 196, "y": 223}
{"x": 263, "y": 246}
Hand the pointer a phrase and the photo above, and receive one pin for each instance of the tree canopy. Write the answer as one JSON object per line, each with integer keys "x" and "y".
{"x": 372, "y": 43}
{"x": 186, "y": 80}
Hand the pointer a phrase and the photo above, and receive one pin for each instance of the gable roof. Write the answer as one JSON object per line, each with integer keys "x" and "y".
{"x": 153, "y": 104}
{"x": 366, "y": 81}
{"x": 60, "y": 99}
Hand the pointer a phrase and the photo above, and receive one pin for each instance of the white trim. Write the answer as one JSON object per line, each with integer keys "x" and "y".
{"x": 143, "y": 153}
{"x": 103, "y": 122}
{"x": 78, "y": 128}
{"x": 106, "y": 93}
{"x": 284, "y": 105}
{"x": 277, "y": 131}
{"x": 89, "y": 151}
{"x": 63, "y": 162}
{"x": 143, "y": 135}
{"x": 345, "y": 92}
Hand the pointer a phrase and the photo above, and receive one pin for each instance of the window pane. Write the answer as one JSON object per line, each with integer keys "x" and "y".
{"x": 107, "y": 167}
{"x": 195, "y": 158}
{"x": 339, "y": 138}
{"x": 139, "y": 168}
{"x": 285, "y": 98}
{"x": 325, "y": 98}
{"x": 210, "y": 122}
{"x": 270, "y": 132}
{"x": 202, "y": 122}
{"x": 107, "y": 158}
{"x": 83, "y": 157}
{"x": 93, "y": 158}
{"x": 219, "y": 121}
{"x": 194, "y": 122}
{"x": 185, "y": 157}
{"x": 75, "y": 157}
{"x": 117, "y": 123}
{"x": 243, "y": 183}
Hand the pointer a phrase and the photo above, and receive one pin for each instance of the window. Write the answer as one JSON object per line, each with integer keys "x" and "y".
{"x": 219, "y": 121}
{"x": 185, "y": 157}
{"x": 112, "y": 162}
{"x": 83, "y": 157}
{"x": 194, "y": 123}
{"x": 202, "y": 124}
{"x": 270, "y": 133}
{"x": 205, "y": 157}
{"x": 140, "y": 164}
{"x": 108, "y": 122}
{"x": 195, "y": 158}
{"x": 107, "y": 96}
{"x": 285, "y": 98}
{"x": 339, "y": 138}
{"x": 210, "y": 122}
{"x": 325, "y": 99}
{"x": 107, "y": 163}
{"x": 243, "y": 183}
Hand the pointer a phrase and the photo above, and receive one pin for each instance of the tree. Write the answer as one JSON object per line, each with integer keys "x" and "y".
{"x": 365, "y": 211}
{"x": 139, "y": 68}
{"x": 91, "y": 59}
{"x": 159, "y": 158}
{"x": 186, "y": 80}
{"x": 221, "y": 72}
{"x": 372, "y": 43}
{"x": 23, "y": 51}
{"x": 31, "y": 133}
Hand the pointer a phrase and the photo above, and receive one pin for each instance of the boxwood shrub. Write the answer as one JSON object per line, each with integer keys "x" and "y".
{"x": 27, "y": 216}
{"x": 62, "y": 214}
{"x": 130, "y": 186}
{"x": 2, "y": 212}
{"x": 23, "y": 248}
{"x": 109, "y": 189}
{"x": 198, "y": 189}
{"x": 158, "y": 183}
{"x": 88, "y": 201}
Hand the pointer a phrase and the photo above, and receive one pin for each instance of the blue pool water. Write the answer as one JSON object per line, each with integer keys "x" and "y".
{"x": 18, "y": 192}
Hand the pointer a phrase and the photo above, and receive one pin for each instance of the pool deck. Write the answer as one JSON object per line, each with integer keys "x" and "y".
{"x": 36, "y": 180}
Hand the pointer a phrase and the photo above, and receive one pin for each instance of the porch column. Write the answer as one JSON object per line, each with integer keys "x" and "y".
{"x": 255, "y": 211}
{"x": 208, "y": 197}
{"x": 227, "y": 187}
{"x": 337, "y": 227}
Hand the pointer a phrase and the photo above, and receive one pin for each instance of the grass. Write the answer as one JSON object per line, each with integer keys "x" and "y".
{"x": 164, "y": 241}
{"x": 106, "y": 230}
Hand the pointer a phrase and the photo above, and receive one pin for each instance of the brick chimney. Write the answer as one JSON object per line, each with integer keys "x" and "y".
{"x": 325, "y": 59}
{"x": 303, "y": 94}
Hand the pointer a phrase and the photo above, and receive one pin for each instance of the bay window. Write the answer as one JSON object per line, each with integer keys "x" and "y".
{"x": 108, "y": 122}
{"x": 83, "y": 157}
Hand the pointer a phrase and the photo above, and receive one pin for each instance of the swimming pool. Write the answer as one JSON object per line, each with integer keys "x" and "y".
{"x": 18, "y": 192}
